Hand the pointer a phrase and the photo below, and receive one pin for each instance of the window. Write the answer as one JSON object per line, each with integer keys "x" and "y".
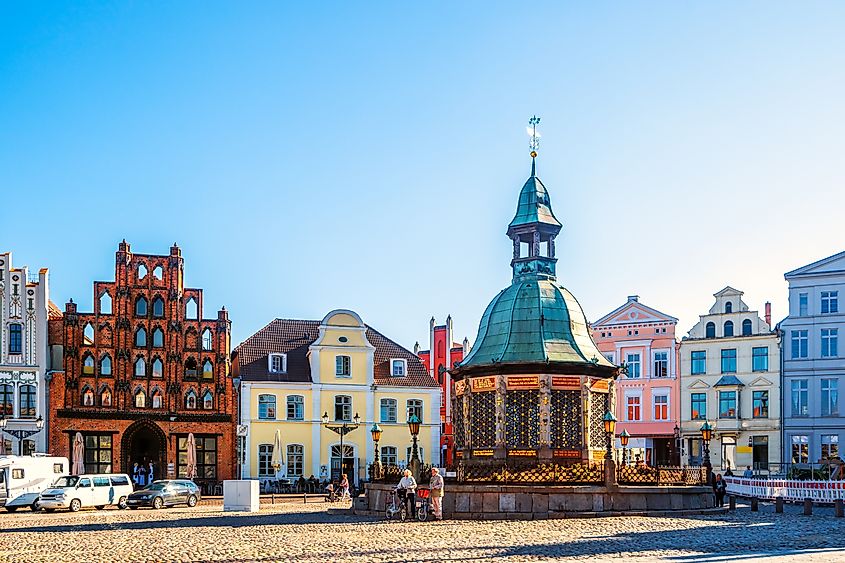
{"x": 830, "y": 302}
{"x": 18, "y": 473}
{"x": 140, "y": 367}
{"x": 140, "y": 399}
{"x": 633, "y": 366}
{"x": 156, "y": 399}
{"x": 727, "y": 404}
{"x": 15, "y": 338}
{"x": 105, "y": 303}
{"x": 388, "y": 410}
{"x": 830, "y": 446}
{"x": 141, "y": 337}
{"x": 760, "y": 359}
{"x": 342, "y": 366}
{"x": 802, "y": 304}
{"x": 296, "y": 407}
{"x": 343, "y": 408}
{"x": 207, "y": 400}
{"x": 296, "y": 460}
{"x": 760, "y": 404}
{"x": 191, "y": 309}
{"x": 206, "y": 448}
{"x": 729, "y": 328}
{"x": 830, "y": 397}
{"x": 207, "y": 370}
{"x": 265, "y": 459}
{"x": 105, "y": 397}
{"x": 800, "y": 398}
{"x": 88, "y": 335}
{"x": 633, "y": 406}
{"x": 830, "y": 342}
{"x": 158, "y": 368}
{"x": 266, "y": 407}
{"x": 142, "y": 271}
{"x": 698, "y": 359}
{"x": 117, "y": 480}
{"x": 799, "y": 344}
{"x": 800, "y": 449}
{"x": 98, "y": 453}
{"x": 415, "y": 407}
{"x": 698, "y": 406}
{"x": 190, "y": 368}
{"x": 158, "y": 307}
{"x": 191, "y": 400}
{"x": 206, "y": 339}
{"x": 661, "y": 364}
{"x": 7, "y": 400}
{"x": 729, "y": 307}
{"x": 746, "y": 327}
{"x": 610, "y": 358}
{"x": 158, "y": 338}
{"x": 278, "y": 363}
{"x": 710, "y": 330}
{"x": 88, "y": 365}
{"x": 141, "y": 307}
{"x": 389, "y": 456}
{"x": 729, "y": 360}
{"x": 398, "y": 368}
{"x": 105, "y": 365}
{"x": 87, "y": 397}
{"x": 158, "y": 272}
{"x": 26, "y": 401}
{"x": 661, "y": 407}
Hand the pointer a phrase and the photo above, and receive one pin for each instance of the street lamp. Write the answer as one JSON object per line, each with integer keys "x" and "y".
{"x": 706, "y": 436}
{"x": 623, "y": 439}
{"x": 341, "y": 430}
{"x": 375, "y": 431}
{"x": 609, "y": 429}
{"x": 414, "y": 427}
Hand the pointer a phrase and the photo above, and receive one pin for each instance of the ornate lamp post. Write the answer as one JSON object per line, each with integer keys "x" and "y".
{"x": 414, "y": 427}
{"x": 21, "y": 433}
{"x": 341, "y": 430}
{"x": 706, "y": 436}
{"x": 375, "y": 431}
{"x": 623, "y": 439}
{"x": 609, "y": 430}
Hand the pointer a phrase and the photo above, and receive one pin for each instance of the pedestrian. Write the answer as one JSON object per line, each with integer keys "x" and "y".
{"x": 150, "y": 474}
{"x": 748, "y": 473}
{"x": 136, "y": 475}
{"x": 720, "y": 487}
{"x": 344, "y": 488}
{"x": 142, "y": 476}
{"x": 728, "y": 472}
{"x": 437, "y": 493}
{"x": 407, "y": 488}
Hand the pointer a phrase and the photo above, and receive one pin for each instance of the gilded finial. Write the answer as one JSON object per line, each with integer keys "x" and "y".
{"x": 534, "y": 144}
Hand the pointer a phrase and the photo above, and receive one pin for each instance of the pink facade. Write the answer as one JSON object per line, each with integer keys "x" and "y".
{"x": 647, "y": 398}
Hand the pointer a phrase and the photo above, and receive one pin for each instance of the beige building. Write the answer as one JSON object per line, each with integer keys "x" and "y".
{"x": 730, "y": 377}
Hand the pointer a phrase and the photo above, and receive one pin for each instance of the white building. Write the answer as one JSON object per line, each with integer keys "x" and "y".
{"x": 730, "y": 377}
{"x": 24, "y": 307}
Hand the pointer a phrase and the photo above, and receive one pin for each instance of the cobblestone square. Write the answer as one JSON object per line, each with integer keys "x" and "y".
{"x": 308, "y": 533}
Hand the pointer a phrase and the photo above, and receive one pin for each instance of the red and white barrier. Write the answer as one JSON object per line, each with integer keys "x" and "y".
{"x": 789, "y": 489}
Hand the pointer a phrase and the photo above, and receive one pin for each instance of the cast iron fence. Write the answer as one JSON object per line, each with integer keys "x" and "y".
{"x": 662, "y": 475}
{"x": 514, "y": 472}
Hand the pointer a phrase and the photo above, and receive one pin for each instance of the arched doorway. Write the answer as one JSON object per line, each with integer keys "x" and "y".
{"x": 144, "y": 442}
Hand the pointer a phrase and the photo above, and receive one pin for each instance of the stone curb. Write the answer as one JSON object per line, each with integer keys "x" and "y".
{"x": 550, "y": 515}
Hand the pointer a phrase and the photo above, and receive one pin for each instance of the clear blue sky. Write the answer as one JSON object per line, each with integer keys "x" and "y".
{"x": 310, "y": 157}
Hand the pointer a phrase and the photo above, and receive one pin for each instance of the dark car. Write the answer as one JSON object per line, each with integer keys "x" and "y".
{"x": 163, "y": 493}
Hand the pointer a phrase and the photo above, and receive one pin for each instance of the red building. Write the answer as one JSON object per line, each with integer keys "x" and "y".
{"x": 446, "y": 354}
{"x": 142, "y": 371}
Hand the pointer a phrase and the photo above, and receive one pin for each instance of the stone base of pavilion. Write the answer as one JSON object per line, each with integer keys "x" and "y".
{"x": 539, "y": 502}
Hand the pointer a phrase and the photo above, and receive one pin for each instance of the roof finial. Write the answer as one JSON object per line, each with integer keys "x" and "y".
{"x": 534, "y": 144}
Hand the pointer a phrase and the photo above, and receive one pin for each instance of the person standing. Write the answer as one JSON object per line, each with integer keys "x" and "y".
{"x": 437, "y": 493}
{"x": 344, "y": 488}
{"x": 136, "y": 475}
{"x": 409, "y": 485}
{"x": 720, "y": 487}
{"x": 150, "y": 474}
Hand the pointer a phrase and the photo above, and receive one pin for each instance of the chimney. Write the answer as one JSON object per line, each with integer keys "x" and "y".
{"x": 635, "y": 298}
{"x": 769, "y": 314}
{"x": 416, "y": 348}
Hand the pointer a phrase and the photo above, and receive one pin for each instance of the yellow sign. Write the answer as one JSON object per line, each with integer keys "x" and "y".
{"x": 482, "y": 453}
{"x": 569, "y": 454}
{"x": 744, "y": 450}
{"x": 566, "y": 382}
{"x": 600, "y": 386}
{"x": 522, "y": 453}
{"x": 524, "y": 382}
{"x": 460, "y": 388}
{"x": 483, "y": 384}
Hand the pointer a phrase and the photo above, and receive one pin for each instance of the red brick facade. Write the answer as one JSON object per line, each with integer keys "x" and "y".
{"x": 146, "y": 374}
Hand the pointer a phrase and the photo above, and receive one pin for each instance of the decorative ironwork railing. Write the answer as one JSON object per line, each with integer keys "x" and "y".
{"x": 382, "y": 473}
{"x": 663, "y": 475}
{"x": 514, "y": 472}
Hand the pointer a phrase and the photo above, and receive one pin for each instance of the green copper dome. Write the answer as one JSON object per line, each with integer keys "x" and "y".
{"x": 534, "y": 206}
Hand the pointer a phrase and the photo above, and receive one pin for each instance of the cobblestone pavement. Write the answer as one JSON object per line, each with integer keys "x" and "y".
{"x": 306, "y": 532}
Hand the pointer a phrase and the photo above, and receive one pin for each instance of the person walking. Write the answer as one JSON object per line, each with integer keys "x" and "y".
{"x": 437, "y": 493}
{"x": 407, "y": 488}
{"x": 344, "y": 488}
{"x": 720, "y": 487}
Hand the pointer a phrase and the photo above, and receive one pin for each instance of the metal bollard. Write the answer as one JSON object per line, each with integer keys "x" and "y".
{"x": 754, "y": 504}
{"x": 732, "y": 503}
{"x": 304, "y": 498}
{"x": 272, "y": 498}
{"x": 779, "y": 505}
{"x": 839, "y": 508}
{"x": 808, "y": 507}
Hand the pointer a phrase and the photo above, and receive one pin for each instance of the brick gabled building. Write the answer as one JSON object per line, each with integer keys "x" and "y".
{"x": 142, "y": 371}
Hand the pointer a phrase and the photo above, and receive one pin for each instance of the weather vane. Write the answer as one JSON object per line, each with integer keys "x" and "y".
{"x": 535, "y": 136}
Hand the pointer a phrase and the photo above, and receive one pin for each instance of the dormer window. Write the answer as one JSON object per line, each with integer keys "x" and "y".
{"x": 398, "y": 367}
{"x": 278, "y": 363}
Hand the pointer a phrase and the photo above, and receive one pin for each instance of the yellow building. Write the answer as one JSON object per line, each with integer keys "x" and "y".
{"x": 293, "y": 372}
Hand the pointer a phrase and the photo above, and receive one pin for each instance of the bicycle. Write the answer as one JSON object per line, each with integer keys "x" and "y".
{"x": 396, "y": 507}
{"x": 424, "y": 504}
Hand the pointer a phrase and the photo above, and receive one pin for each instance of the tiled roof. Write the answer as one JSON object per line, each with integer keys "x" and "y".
{"x": 53, "y": 312}
{"x": 293, "y": 337}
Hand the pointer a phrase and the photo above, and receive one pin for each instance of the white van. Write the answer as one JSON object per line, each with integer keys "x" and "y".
{"x": 78, "y": 491}
{"x": 22, "y": 478}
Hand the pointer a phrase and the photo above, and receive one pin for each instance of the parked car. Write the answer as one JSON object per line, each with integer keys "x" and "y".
{"x": 165, "y": 492}
{"x": 22, "y": 478}
{"x": 79, "y": 491}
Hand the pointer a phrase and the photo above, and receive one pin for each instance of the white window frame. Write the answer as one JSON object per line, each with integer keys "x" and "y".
{"x": 267, "y": 460}
{"x": 610, "y": 357}
{"x": 831, "y": 339}
{"x": 408, "y": 408}
{"x": 803, "y": 304}
{"x": 832, "y": 299}
{"x": 284, "y": 360}
{"x": 292, "y": 400}
{"x": 654, "y": 362}
{"x": 292, "y": 452}
{"x": 661, "y": 393}
{"x": 395, "y": 409}
{"x": 638, "y": 394}
{"x": 639, "y": 364}
{"x": 275, "y": 406}
{"x": 404, "y": 363}
{"x": 348, "y": 366}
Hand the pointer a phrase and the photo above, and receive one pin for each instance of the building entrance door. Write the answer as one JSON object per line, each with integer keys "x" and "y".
{"x": 144, "y": 443}
{"x": 349, "y": 463}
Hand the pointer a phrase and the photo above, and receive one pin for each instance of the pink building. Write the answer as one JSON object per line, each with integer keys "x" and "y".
{"x": 647, "y": 398}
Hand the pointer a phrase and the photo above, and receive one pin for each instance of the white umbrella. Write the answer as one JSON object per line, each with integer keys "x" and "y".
{"x": 192, "y": 457}
{"x": 78, "y": 455}
{"x": 277, "y": 461}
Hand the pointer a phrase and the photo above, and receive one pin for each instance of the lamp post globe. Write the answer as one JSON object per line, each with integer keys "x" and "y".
{"x": 706, "y": 436}
{"x": 414, "y": 426}
{"x": 623, "y": 439}
{"x": 609, "y": 429}
{"x": 375, "y": 432}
